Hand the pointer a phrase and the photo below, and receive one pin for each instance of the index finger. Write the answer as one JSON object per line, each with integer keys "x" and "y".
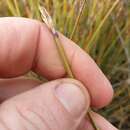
{"x": 27, "y": 44}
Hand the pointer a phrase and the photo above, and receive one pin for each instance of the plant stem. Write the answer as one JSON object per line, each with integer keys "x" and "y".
{"x": 92, "y": 121}
{"x": 67, "y": 67}
{"x": 78, "y": 19}
{"x": 91, "y": 42}
{"x": 63, "y": 56}
{"x": 11, "y": 8}
{"x": 17, "y": 7}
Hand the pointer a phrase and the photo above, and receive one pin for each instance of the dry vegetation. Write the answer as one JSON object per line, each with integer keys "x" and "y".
{"x": 102, "y": 29}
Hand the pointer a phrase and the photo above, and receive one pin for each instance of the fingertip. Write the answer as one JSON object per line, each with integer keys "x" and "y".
{"x": 105, "y": 98}
{"x": 86, "y": 70}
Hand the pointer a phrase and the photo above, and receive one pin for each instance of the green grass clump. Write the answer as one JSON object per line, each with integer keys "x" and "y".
{"x": 102, "y": 30}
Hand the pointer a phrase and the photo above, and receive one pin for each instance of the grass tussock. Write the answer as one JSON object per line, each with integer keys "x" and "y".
{"x": 102, "y": 29}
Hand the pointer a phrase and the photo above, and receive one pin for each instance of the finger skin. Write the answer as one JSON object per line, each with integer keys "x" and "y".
{"x": 101, "y": 122}
{"x": 41, "y": 109}
{"x": 15, "y": 86}
{"x": 27, "y": 44}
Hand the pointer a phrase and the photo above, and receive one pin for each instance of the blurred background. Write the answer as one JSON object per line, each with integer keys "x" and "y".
{"x": 102, "y": 29}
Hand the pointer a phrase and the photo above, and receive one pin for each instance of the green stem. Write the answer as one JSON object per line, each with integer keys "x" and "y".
{"x": 91, "y": 42}
{"x": 17, "y": 8}
{"x": 63, "y": 56}
{"x": 77, "y": 20}
{"x": 47, "y": 19}
{"x": 92, "y": 121}
{"x": 67, "y": 67}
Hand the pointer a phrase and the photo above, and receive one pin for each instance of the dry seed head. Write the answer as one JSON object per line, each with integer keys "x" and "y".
{"x": 47, "y": 19}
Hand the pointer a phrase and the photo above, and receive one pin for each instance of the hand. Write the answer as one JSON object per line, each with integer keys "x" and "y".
{"x": 57, "y": 105}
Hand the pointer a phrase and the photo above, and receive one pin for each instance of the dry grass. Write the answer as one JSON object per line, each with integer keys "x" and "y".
{"x": 102, "y": 30}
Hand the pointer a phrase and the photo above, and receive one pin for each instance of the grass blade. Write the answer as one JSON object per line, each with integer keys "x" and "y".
{"x": 78, "y": 19}
{"x": 91, "y": 43}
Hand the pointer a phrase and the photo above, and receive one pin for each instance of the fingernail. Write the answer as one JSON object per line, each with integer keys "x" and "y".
{"x": 72, "y": 98}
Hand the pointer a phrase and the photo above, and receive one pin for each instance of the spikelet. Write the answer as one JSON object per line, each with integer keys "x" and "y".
{"x": 47, "y": 19}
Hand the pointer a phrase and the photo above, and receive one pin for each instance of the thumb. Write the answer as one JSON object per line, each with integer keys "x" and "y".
{"x": 60, "y": 104}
